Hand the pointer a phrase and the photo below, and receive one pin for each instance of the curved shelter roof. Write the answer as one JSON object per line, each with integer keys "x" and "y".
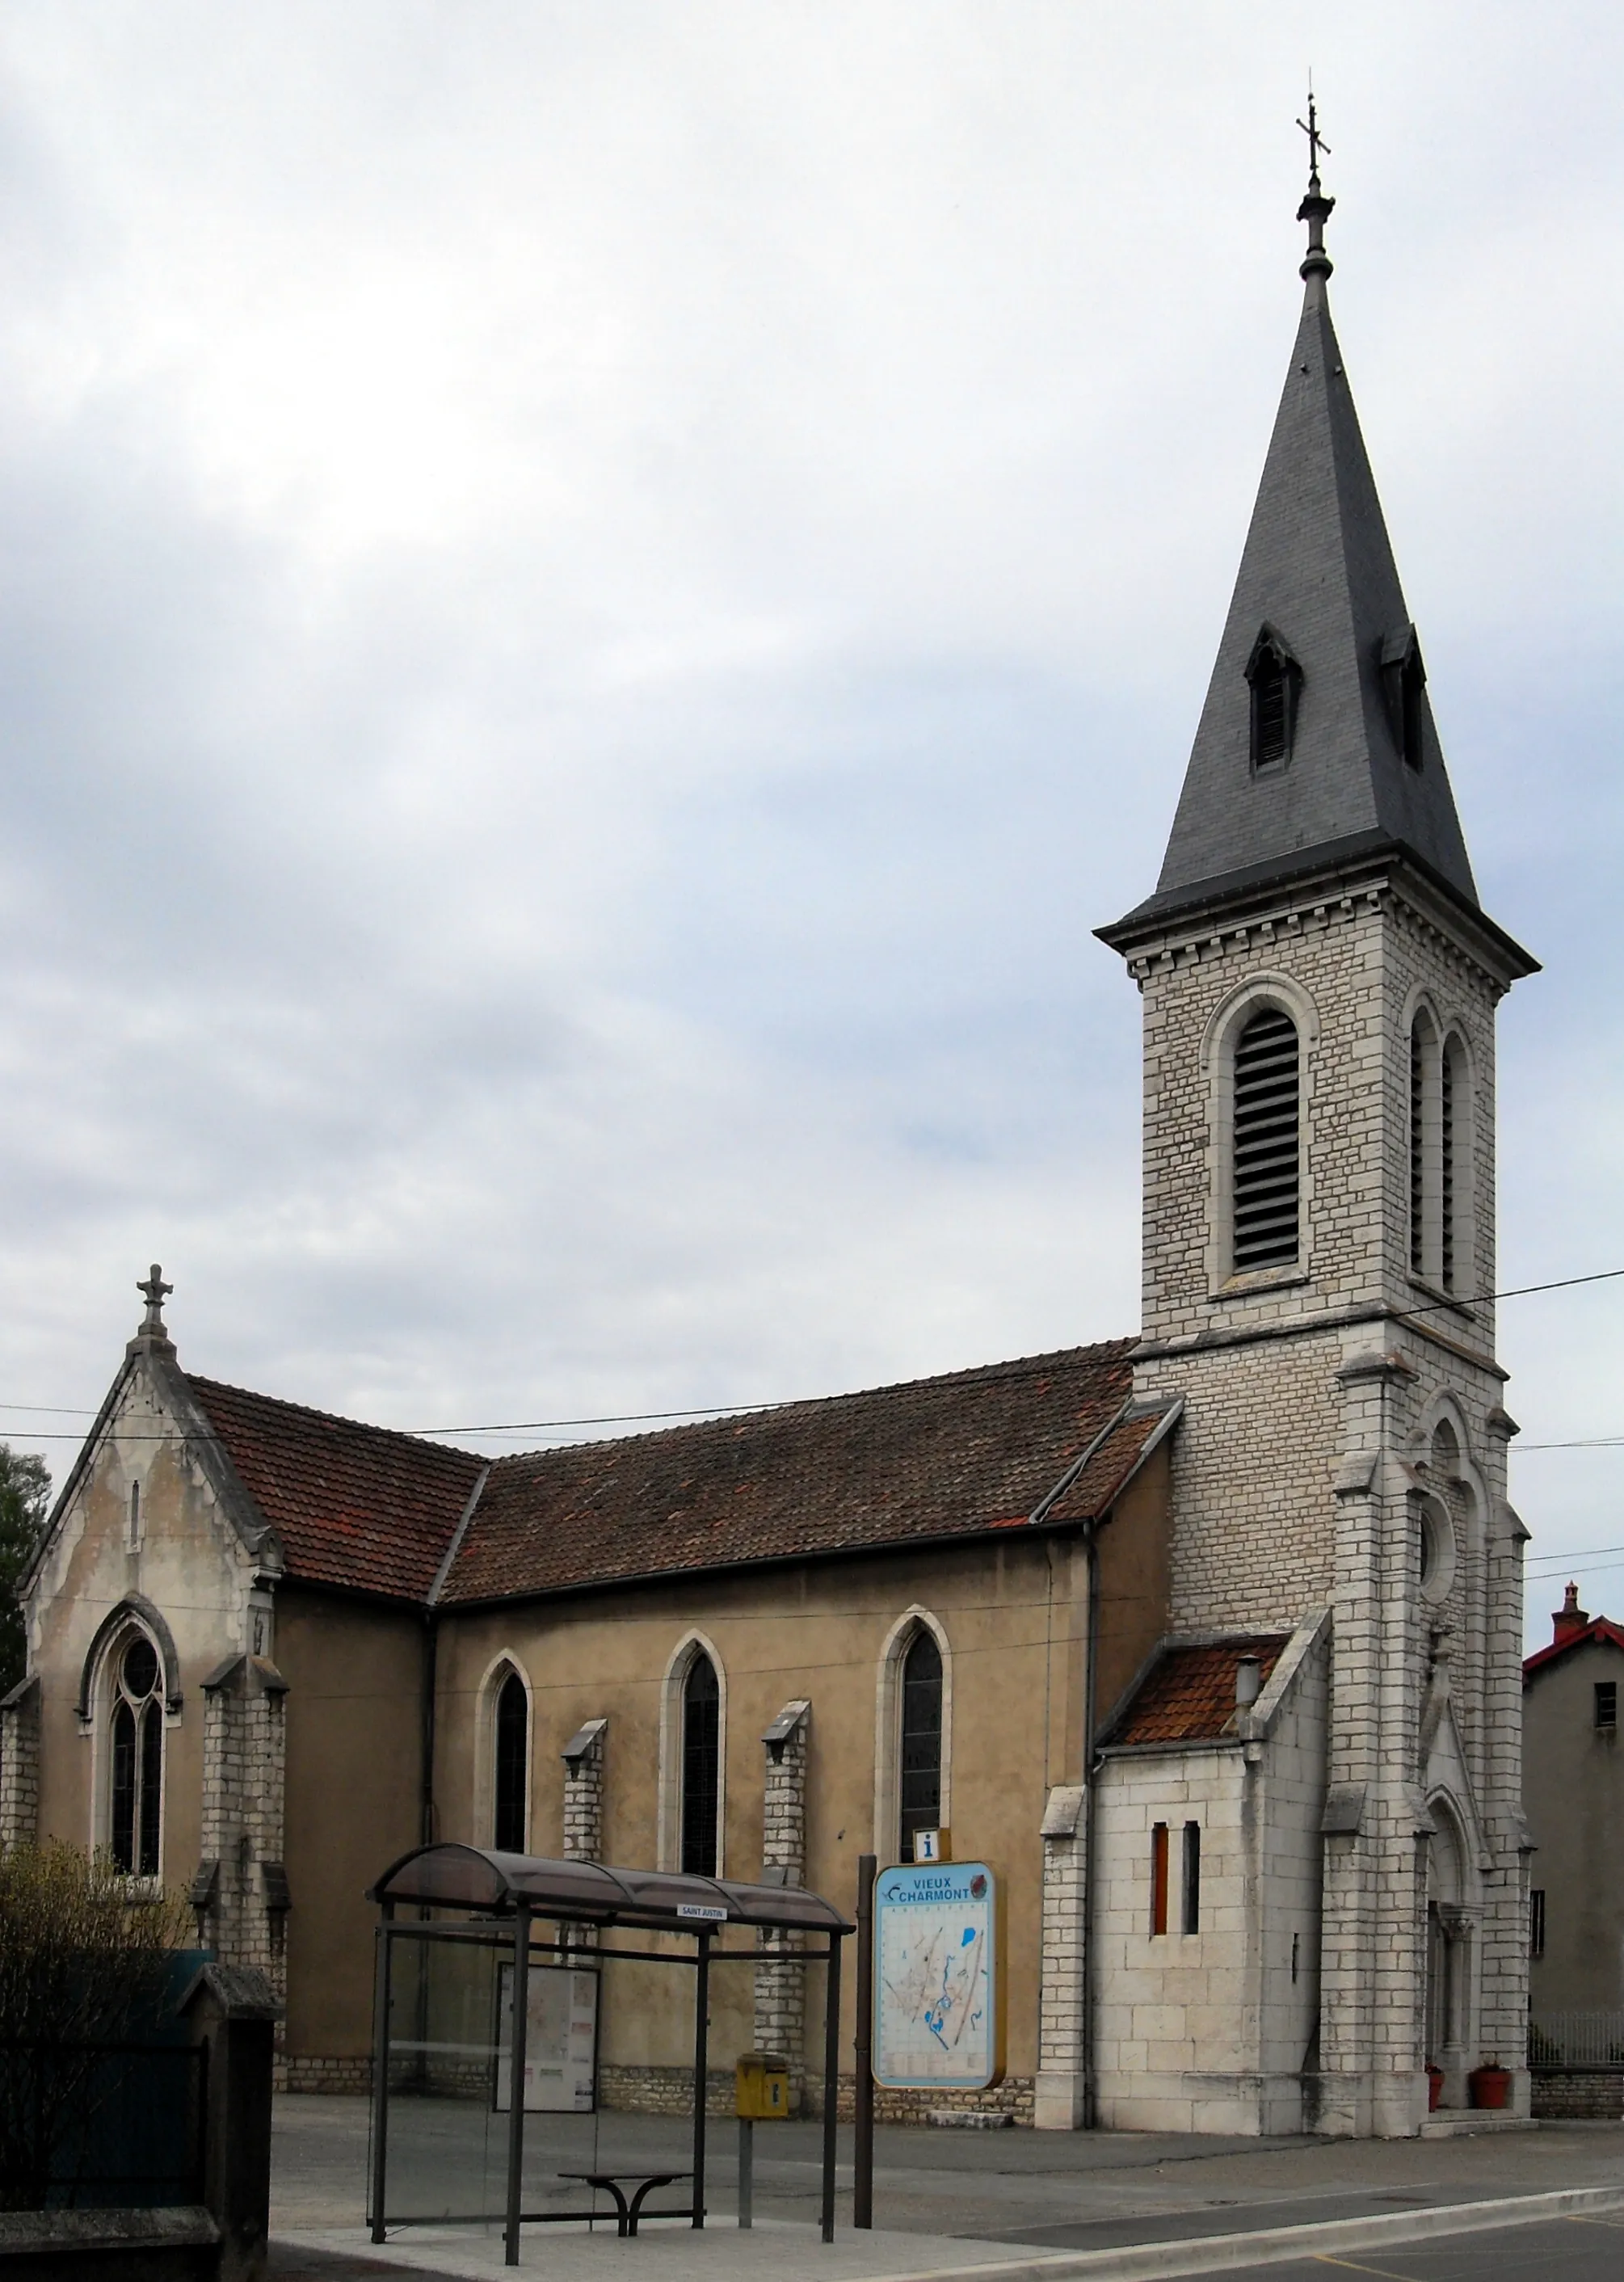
{"x": 452, "y": 1876}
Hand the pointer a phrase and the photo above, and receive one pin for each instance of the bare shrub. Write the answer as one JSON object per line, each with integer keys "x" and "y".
{"x": 82, "y": 1954}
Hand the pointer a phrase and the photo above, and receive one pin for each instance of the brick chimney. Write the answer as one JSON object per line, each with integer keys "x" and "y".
{"x": 1570, "y": 1618}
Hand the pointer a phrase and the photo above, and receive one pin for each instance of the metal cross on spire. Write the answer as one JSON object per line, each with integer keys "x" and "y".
{"x": 1316, "y": 140}
{"x": 1315, "y": 206}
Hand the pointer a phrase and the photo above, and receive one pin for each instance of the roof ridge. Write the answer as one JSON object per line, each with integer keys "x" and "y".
{"x": 402, "y": 1434}
{"x": 985, "y": 1374}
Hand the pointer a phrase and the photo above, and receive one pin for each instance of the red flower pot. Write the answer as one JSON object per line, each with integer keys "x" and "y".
{"x": 1434, "y": 2086}
{"x": 1491, "y": 2087}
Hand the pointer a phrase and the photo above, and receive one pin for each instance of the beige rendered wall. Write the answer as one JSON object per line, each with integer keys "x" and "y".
{"x": 1573, "y": 1795}
{"x": 189, "y": 1563}
{"x": 1014, "y": 1616}
{"x": 354, "y": 1711}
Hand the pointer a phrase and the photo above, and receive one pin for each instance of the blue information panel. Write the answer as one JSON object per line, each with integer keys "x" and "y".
{"x": 936, "y": 1984}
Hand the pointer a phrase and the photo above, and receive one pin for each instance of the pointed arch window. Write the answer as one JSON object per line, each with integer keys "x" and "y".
{"x": 1440, "y": 1108}
{"x": 702, "y": 1765}
{"x": 511, "y": 1767}
{"x": 135, "y": 1735}
{"x": 918, "y": 1788}
{"x": 1267, "y": 1173}
{"x": 1275, "y": 678}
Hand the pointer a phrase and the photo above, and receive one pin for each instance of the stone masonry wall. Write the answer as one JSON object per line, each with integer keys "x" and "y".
{"x": 244, "y": 1757}
{"x": 19, "y": 1764}
{"x": 779, "y": 2023}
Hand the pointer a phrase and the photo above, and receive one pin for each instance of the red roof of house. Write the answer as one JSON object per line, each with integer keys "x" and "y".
{"x": 929, "y": 1460}
{"x": 352, "y": 1505}
{"x": 1188, "y": 1695}
{"x": 934, "y": 1459}
{"x": 1600, "y": 1629}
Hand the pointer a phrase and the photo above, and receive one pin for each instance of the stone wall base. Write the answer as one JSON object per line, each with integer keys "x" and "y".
{"x": 305, "y": 2072}
{"x": 1579, "y": 2095}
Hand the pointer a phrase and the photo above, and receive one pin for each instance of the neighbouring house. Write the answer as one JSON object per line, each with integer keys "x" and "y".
{"x": 1207, "y": 1639}
{"x": 1573, "y": 1796}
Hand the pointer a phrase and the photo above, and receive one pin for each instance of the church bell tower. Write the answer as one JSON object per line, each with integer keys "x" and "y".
{"x": 1319, "y": 986}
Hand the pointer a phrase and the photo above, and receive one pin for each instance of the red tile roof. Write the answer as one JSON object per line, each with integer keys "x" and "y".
{"x": 933, "y": 1459}
{"x": 1188, "y": 1696}
{"x": 351, "y": 1505}
{"x": 1600, "y": 1630}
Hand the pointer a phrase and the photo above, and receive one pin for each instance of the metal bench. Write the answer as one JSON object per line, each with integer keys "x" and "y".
{"x": 629, "y": 2213}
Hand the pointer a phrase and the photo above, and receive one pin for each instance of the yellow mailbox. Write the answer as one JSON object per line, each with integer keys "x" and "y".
{"x": 761, "y": 2086}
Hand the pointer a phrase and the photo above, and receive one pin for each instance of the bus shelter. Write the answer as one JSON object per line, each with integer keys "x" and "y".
{"x": 503, "y": 1953}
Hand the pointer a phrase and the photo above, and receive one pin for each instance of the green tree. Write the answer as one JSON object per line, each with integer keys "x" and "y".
{"x": 25, "y": 1498}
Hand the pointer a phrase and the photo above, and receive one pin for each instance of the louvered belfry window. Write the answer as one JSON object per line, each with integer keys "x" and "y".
{"x": 1268, "y": 694}
{"x": 1266, "y": 1161}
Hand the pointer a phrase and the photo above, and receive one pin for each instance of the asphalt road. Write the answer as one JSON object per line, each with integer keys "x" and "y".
{"x": 1565, "y": 2250}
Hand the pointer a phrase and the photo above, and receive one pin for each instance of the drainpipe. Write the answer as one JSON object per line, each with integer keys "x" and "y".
{"x": 431, "y": 1661}
{"x": 1089, "y": 1659}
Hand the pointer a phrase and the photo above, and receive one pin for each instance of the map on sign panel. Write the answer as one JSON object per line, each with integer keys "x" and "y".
{"x": 936, "y": 1984}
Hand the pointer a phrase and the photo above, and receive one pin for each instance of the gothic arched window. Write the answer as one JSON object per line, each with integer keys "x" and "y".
{"x": 136, "y": 1734}
{"x": 1440, "y": 1193}
{"x": 1266, "y": 1170}
{"x": 701, "y": 1765}
{"x": 918, "y": 1786}
{"x": 511, "y": 1763}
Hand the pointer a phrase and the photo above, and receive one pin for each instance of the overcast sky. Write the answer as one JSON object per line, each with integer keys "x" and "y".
{"x": 595, "y": 600}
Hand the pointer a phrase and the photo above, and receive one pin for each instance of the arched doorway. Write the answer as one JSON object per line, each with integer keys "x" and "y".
{"x": 1451, "y": 1963}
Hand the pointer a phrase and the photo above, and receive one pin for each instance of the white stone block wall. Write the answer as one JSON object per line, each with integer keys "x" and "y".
{"x": 1060, "y": 2094}
{"x": 245, "y": 1765}
{"x": 583, "y": 1799}
{"x": 20, "y": 1764}
{"x": 780, "y": 2022}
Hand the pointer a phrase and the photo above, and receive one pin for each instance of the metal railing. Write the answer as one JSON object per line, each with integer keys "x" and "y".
{"x": 1577, "y": 2040}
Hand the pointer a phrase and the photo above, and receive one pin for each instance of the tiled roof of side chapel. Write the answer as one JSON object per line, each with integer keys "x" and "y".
{"x": 365, "y": 1508}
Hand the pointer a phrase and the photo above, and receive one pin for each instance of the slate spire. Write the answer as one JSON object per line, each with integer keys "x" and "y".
{"x": 1317, "y": 739}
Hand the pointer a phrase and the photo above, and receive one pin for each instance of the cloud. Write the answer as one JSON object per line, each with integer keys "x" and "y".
{"x": 594, "y": 603}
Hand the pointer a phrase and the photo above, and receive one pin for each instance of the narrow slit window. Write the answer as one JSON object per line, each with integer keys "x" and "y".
{"x": 1417, "y": 1151}
{"x": 512, "y": 1758}
{"x": 1266, "y": 1118}
{"x": 702, "y": 1765}
{"x": 135, "y": 1516}
{"x": 1158, "y": 1878}
{"x": 1536, "y": 1923}
{"x": 920, "y": 1789}
{"x": 1192, "y": 1895}
{"x": 1446, "y": 1170}
{"x": 1606, "y": 1702}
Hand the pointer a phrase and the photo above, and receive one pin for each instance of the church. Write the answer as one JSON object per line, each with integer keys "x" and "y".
{"x": 1207, "y": 1638}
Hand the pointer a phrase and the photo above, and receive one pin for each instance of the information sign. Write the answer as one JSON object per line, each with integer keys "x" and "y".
{"x": 937, "y": 1983}
{"x": 561, "y": 2039}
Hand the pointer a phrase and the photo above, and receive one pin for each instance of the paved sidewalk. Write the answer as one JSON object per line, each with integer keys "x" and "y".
{"x": 1017, "y": 2202}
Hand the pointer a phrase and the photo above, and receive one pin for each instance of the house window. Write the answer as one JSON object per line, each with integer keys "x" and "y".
{"x": 1192, "y": 1896}
{"x": 136, "y": 1736}
{"x": 701, "y": 1765}
{"x": 512, "y": 1765}
{"x": 1158, "y": 1878}
{"x": 919, "y": 1771}
{"x": 1266, "y": 1171}
{"x": 1606, "y": 1702}
{"x": 1536, "y": 1923}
